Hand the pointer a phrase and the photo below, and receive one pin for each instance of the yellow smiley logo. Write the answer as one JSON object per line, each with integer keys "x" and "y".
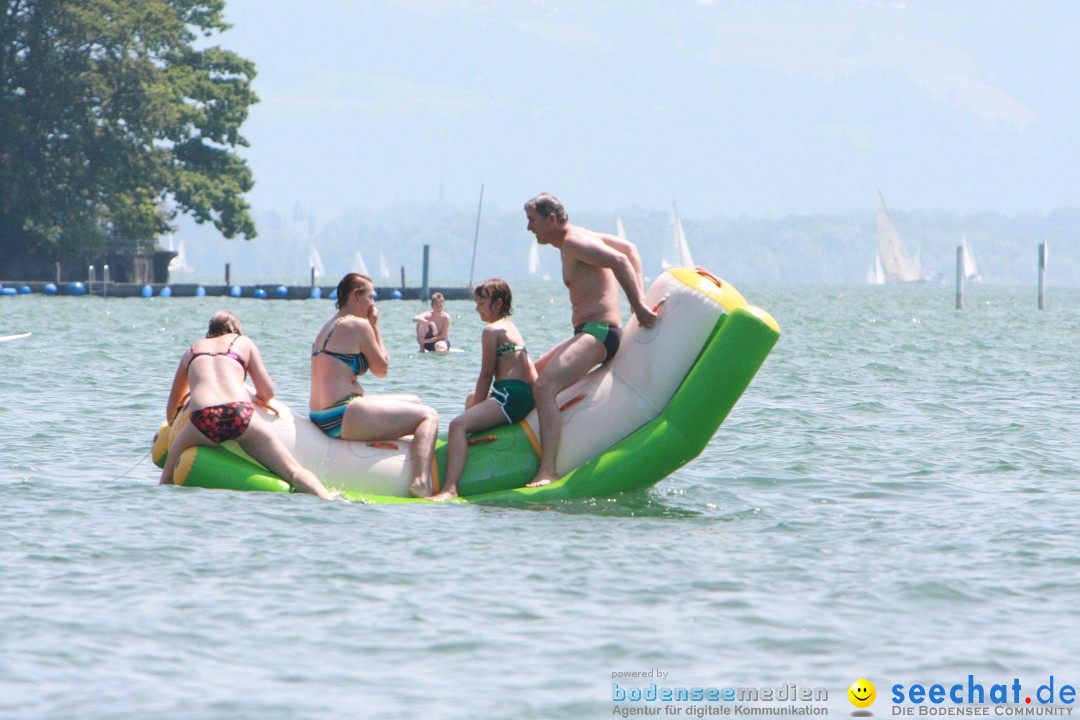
{"x": 862, "y": 693}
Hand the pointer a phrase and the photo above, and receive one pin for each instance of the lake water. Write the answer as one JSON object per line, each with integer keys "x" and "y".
{"x": 894, "y": 498}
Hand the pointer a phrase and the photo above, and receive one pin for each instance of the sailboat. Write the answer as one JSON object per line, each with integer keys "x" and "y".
{"x": 876, "y": 275}
{"x": 315, "y": 261}
{"x": 534, "y": 263}
{"x": 620, "y": 231}
{"x": 384, "y": 271}
{"x": 179, "y": 262}
{"x": 359, "y": 265}
{"x": 897, "y": 266}
{"x": 676, "y": 251}
{"x": 971, "y": 271}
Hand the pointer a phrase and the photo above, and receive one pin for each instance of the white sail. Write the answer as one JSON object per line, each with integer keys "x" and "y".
{"x": 876, "y": 275}
{"x": 620, "y": 231}
{"x": 384, "y": 271}
{"x": 534, "y": 259}
{"x": 315, "y": 261}
{"x": 676, "y": 251}
{"x": 897, "y": 265}
{"x": 534, "y": 263}
{"x": 179, "y": 263}
{"x": 359, "y": 265}
{"x": 971, "y": 271}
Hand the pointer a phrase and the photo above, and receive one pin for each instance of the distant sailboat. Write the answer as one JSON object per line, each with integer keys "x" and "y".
{"x": 384, "y": 271}
{"x": 534, "y": 263}
{"x": 620, "y": 231}
{"x": 971, "y": 271}
{"x": 897, "y": 266}
{"x": 676, "y": 251}
{"x": 315, "y": 261}
{"x": 359, "y": 265}
{"x": 876, "y": 275}
{"x": 179, "y": 263}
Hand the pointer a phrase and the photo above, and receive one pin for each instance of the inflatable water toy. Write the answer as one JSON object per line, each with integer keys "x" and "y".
{"x": 626, "y": 425}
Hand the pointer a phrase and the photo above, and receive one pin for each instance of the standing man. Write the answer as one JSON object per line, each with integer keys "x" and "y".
{"x": 594, "y": 265}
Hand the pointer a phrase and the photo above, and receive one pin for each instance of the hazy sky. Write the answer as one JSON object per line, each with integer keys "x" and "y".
{"x": 729, "y": 107}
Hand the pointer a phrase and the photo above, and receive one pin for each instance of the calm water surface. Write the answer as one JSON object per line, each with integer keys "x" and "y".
{"x": 895, "y": 497}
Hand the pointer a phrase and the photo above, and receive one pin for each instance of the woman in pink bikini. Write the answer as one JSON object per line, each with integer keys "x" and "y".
{"x": 213, "y": 371}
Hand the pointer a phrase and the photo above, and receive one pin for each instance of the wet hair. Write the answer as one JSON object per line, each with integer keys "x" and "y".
{"x": 437, "y": 296}
{"x": 222, "y": 323}
{"x": 496, "y": 289}
{"x": 350, "y": 282}
{"x": 546, "y": 204}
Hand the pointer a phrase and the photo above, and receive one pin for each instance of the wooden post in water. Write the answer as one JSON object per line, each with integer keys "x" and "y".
{"x": 402, "y": 278}
{"x": 105, "y": 281}
{"x": 228, "y": 272}
{"x": 1042, "y": 275}
{"x": 312, "y": 276}
{"x": 57, "y": 272}
{"x": 960, "y": 277}
{"x": 424, "y": 284}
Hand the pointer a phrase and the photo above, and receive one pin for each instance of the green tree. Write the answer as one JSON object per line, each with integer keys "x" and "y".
{"x": 112, "y": 122}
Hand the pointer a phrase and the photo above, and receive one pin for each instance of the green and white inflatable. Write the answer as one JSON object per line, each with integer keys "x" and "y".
{"x": 627, "y": 425}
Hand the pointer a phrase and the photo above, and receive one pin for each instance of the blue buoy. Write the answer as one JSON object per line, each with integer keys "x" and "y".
{"x": 165, "y": 292}
{"x": 282, "y": 292}
{"x": 316, "y": 293}
{"x": 200, "y": 291}
{"x": 333, "y": 294}
{"x": 49, "y": 289}
{"x": 146, "y": 291}
{"x": 234, "y": 291}
{"x": 8, "y": 291}
{"x": 24, "y": 289}
{"x": 375, "y": 294}
{"x": 260, "y": 293}
{"x": 76, "y": 288}
{"x": 396, "y": 295}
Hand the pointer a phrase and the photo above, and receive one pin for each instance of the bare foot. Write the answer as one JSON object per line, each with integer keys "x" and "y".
{"x": 541, "y": 481}
{"x": 420, "y": 489}
{"x": 444, "y": 496}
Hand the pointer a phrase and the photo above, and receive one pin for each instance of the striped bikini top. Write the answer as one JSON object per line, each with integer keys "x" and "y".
{"x": 507, "y": 348}
{"x": 356, "y": 361}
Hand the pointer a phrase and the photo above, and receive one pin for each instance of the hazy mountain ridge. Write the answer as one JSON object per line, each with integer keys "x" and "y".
{"x": 836, "y": 248}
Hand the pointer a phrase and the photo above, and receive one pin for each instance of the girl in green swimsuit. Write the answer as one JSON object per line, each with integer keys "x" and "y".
{"x": 505, "y": 370}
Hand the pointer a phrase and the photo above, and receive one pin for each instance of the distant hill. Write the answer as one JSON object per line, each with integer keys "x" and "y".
{"x": 833, "y": 249}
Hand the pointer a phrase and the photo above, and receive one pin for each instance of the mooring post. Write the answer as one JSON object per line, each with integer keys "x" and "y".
{"x": 105, "y": 281}
{"x": 312, "y": 276}
{"x": 57, "y": 272}
{"x": 1042, "y": 275}
{"x": 228, "y": 273}
{"x": 402, "y": 278}
{"x": 424, "y": 285}
{"x": 960, "y": 271}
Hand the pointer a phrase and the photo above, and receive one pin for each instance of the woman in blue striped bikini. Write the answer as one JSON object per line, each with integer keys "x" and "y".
{"x": 348, "y": 346}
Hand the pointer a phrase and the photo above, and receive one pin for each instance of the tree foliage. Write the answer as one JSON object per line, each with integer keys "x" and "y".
{"x": 112, "y": 121}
